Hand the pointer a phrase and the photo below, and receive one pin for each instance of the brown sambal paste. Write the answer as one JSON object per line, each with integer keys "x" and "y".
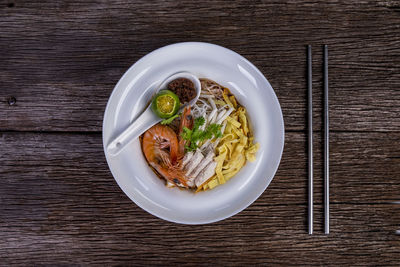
{"x": 183, "y": 88}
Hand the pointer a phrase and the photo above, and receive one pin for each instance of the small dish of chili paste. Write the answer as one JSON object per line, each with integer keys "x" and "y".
{"x": 183, "y": 88}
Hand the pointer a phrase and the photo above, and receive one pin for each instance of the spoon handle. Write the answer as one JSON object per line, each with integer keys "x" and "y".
{"x": 148, "y": 118}
{"x": 143, "y": 123}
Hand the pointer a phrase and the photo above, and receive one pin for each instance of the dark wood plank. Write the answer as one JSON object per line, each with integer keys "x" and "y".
{"x": 59, "y": 204}
{"x": 364, "y": 168}
{"x": 120, "y": 233}
{"x": 59, "y": 64}
{"x": 264, "y": 233}
{"x": 61, "y": 60}
{"x": 58, "y": 197}
{"x": 261, "y": 232}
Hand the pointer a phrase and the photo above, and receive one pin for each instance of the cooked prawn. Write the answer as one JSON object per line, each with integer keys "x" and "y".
{"x": 160, "y": 147}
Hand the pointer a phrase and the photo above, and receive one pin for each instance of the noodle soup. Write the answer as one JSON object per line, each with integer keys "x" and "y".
{"x": 204, "y": 146}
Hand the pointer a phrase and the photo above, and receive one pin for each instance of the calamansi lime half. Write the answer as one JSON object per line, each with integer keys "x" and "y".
{"x": 165, "y": 104}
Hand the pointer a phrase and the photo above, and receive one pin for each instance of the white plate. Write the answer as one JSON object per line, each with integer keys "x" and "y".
{"x": 253, "y": 91}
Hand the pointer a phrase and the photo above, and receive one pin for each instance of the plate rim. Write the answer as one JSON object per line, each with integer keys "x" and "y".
{"x": 252, "y": 199}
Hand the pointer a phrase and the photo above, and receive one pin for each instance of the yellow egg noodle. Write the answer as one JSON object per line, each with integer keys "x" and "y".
{"x": 234, "y": 147}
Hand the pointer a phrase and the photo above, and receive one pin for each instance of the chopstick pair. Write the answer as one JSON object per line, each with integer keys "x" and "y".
{"x": 310, "y": 142}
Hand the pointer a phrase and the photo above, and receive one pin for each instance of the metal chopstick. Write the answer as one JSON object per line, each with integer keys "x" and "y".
{"x": 310, "y": 143}
{"x": 326, "y": 140}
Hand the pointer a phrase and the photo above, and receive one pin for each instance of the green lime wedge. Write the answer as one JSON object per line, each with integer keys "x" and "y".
{"x": 165, "y": 104}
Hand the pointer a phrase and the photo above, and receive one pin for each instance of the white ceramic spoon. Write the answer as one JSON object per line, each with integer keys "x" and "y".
{"x": 148, "y": 118}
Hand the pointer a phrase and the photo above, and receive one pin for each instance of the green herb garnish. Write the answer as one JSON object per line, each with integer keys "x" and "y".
{"x": 196, "y": 135}
{"x": 169, "y": 120}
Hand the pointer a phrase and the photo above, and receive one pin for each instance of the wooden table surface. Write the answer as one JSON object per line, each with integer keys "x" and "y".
{"x": 59, "y": 62}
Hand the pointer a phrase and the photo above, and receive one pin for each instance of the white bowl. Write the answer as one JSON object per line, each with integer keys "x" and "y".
{"x": 130, "y": 97}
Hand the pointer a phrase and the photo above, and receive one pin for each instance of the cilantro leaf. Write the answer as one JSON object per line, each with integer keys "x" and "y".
{"x": 215, "y": 130}
{"x": 199, "y": 121}
{"x": 186, "y": 133}
{"x": 196, "y": 135}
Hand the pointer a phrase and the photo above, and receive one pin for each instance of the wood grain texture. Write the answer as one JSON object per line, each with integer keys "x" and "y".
{"x": 59, "y": 63}
{"x": 60, "y": 204}
{"x": 363, "y": 171}
{"x": 261, "y": 234}
{"x": 61, "y": 60}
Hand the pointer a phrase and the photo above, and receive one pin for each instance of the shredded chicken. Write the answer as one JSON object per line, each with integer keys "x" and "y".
{"x": 206, "y": 173}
